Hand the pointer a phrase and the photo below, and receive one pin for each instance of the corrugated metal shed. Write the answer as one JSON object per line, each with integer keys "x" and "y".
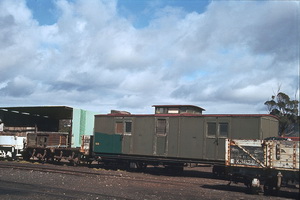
{"x": 47, "y": 118}
{"x": 53, "y": 112}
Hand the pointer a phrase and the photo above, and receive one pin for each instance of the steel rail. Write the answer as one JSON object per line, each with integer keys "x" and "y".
{"x": 97, "y": 173}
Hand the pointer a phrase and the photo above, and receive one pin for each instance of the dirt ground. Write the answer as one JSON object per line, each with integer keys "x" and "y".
{"x": 155, "y": 183}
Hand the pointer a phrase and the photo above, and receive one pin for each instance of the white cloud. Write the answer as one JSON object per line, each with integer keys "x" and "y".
{"x": 19, "y": 87}
{"x": 229, "y": 59}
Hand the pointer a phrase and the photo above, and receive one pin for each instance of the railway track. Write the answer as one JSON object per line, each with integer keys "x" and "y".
{"x": 84, "y": 171}
{"x": 49, "y": 168}
{"x": 151, "y": 176}
{"x": 117, "y": 184}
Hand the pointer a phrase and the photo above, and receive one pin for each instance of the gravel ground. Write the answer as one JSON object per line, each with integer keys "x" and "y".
{"x": 155, "y": 183}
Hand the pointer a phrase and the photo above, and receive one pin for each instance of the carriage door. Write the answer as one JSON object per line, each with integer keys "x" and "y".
{"x": 216, "y": 133}
{"x": 127, "y": 136}
{"x": 161, "y": 131}
{"x": 123, "y": 129}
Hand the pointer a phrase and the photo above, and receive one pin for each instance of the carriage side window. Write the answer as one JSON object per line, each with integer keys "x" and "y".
{"x": 128, "y": 127}
{"x": 119, "y": 128}
{"x": 173, "y": 110}
{"x": 161, "y": 127}
{"x": 211, "y": 129}
{"x": 159, "y": 110}
{"x": 223, "y": 127}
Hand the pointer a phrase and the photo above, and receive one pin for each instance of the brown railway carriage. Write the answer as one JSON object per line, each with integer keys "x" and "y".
{"x": 175, "y": 134}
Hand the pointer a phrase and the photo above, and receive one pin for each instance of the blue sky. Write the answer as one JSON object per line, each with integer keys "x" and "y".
{"x": 45, "y": 12}
{"x": 224, "y": 56}
{"x": 142, "y": 9}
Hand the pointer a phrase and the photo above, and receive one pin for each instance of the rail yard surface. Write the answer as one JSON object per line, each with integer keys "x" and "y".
{"x": 22, "y": 180}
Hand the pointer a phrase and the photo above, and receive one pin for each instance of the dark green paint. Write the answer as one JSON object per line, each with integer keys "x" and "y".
{"x": 107, "y": 143}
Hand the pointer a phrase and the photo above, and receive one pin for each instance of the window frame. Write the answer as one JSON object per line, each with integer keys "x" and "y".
{"x": 166, "y": 128}
{"x": 119, "y": 124}
{"x": 122, "y": 124}
{"x": 227, "y": 130}
{"x": 218, "y": 127}
{"x": 207, "y": 129}
{"x": 125, "y": 127}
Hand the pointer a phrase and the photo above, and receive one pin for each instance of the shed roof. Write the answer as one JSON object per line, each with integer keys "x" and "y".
{"x": 53, "y": 112}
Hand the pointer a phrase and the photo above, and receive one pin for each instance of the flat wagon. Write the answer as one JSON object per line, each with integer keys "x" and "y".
{"x": 263, "y": 164}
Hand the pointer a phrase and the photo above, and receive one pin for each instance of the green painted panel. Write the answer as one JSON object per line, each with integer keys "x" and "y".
{"x": 107, "y": 143}
{"x": 75, "y": 127}
{"x": 82, "y": 124}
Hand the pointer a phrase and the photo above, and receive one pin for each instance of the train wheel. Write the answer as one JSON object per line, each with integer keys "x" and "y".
{"x": 57, "y": 161}
{"x": 51, "y": 159}
{"x": 255, "y": 186}
{"x": 26, "y": 156}
{"x": 89, "y": 163}
{"x": 218, "y": 170}
{"x": 76, "y": 162}
{"x": 141, "y": 165}
{"x": 268, "y": 189}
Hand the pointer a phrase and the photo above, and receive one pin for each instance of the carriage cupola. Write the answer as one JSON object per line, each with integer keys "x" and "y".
{"x": 177, "y": 109}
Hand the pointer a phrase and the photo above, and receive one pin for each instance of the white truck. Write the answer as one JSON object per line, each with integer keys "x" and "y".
{"x": 11, "y": 147}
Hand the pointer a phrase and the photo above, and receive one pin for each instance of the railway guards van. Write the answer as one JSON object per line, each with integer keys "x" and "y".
{"x": 175, "y": 135}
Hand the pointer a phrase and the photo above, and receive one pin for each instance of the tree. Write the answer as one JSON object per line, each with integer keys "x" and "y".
{"x": 287, "y": 112}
